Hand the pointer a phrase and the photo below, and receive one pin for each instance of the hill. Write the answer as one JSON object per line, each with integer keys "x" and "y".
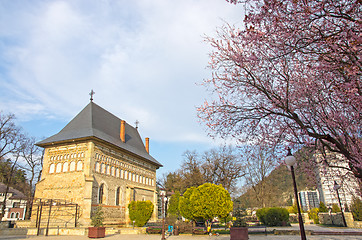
{"x": 279, "y": 185}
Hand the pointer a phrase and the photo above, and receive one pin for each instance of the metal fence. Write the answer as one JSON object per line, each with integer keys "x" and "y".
{"x": 52, "y": 213}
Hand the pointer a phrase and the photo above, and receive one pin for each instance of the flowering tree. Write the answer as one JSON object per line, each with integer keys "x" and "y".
{"x": 292, "y": 75}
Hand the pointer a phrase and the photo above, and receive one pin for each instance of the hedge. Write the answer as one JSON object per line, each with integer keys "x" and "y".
{"x": 274, "y": 216}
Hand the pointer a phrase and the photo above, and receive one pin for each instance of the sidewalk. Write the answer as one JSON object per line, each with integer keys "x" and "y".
{"x": 294, "y": 227}
{"x": 181, "y": 237}
{"x": 317, "y": 228}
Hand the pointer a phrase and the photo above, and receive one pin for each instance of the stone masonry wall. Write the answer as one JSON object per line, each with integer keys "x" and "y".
{"x": 124, "y": 178}
{"x": 75, "y": 173}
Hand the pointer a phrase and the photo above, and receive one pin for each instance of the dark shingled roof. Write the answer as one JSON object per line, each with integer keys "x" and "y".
{"x": 94, "y": 121}
{"x": 16, "y": 193}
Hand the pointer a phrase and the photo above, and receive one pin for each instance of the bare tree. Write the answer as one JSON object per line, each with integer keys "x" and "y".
{"x": 191, "y": 170}
{"x": 33, "y": 161}
{"x": 219, "y": 166}
{"x": 10, "y": 135}
{"x": 222, "y": 166}
{"x": 11, "y": 143}
{"x": 258, "y": 161}
{"x": 172, "y": 181}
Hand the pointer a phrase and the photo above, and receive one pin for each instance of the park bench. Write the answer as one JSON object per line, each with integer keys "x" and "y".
{"x": 199, "y": 231}
{"x": 154, "y": 230}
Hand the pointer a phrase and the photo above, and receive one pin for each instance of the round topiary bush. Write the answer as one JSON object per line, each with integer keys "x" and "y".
{"x": 140, "y": 212}
{"x": 276, "y": 216}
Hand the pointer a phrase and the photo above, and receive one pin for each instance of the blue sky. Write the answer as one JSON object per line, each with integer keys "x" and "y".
{"x": 144, "y": 59}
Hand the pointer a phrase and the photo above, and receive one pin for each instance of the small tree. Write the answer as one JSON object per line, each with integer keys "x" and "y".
{"x": 313, "y": 214}
{"x": 356, "y": 209}
{"x": 238, "y": 220}
{"x": 335, "y": 208}
{"x": 205, "y": 202}
{"x": 173, "y": 205}
{"x": 322, "y": 207}
{"x": 185, "y": 206}
{"x": 210, "y": 200}
{"x": 294, "y": 209}
{"x": 140, "y": 212}
{"x": 97, "y": 217}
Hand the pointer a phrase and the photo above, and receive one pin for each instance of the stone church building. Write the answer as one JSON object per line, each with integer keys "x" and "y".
{"x": 97, "y": 159}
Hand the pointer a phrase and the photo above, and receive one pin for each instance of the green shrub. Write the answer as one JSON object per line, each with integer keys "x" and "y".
{"x": 335, "y": 208}
{"x": 260, "y": 213}
{"x": 276, "y": 216}
{"x": 313, "y": 214}
{"x": 273, "y": 216}
{"x": 140, "y": 212}
{"x": 97, "y": 217}
{"x": 322, "y": 207}
{"x": 294, "y": 209}
{"x": 356, "y": 209}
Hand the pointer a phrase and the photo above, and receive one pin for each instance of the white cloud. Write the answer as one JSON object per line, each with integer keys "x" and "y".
{"x": 142, "y": 58}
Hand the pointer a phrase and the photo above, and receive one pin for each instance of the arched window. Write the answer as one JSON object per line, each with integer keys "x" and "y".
{"x": 17, "y": 215}
{"x": 97, "y": 167}
{"x": 79, "y": 166}
{"x": 101, "y": 193}
{"x": 12, "y": 215}
{"x": 103, "y": 168}
{"x": 52, "y": 168}
{"x": 72, "y": 166}
{"x": 117, "y": 172}
{"x": 65, "y": 167}
{"x": 59, "y": 168}
{"x": 118, "y": 192}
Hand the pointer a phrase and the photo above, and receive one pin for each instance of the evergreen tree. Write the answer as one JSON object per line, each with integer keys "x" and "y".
{"x": 173, "y": 205}
{"x": 322, "y": 207}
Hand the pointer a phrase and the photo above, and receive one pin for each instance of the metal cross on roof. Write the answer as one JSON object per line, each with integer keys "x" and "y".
{"x": 137, "y": 122}
{"x": 91, "y": 94}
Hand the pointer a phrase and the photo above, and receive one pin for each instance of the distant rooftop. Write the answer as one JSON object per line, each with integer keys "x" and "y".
{"x": 94, "y": 121}
{"x": 16, "y": 194}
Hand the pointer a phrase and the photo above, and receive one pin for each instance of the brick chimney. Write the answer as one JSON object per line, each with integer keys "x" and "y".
{"x": 122, "y": 133}
{"x": 148, "y": 145}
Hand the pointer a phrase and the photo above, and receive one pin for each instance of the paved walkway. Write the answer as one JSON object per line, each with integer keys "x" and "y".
{"x": 182, "y": 237}
{"x": 205, "y": 237}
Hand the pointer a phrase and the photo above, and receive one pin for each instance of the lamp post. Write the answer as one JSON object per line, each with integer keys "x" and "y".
{"x": 163, "y": 200}
{"x": 291, "y": 161}
{"x": 336, "y": 187}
